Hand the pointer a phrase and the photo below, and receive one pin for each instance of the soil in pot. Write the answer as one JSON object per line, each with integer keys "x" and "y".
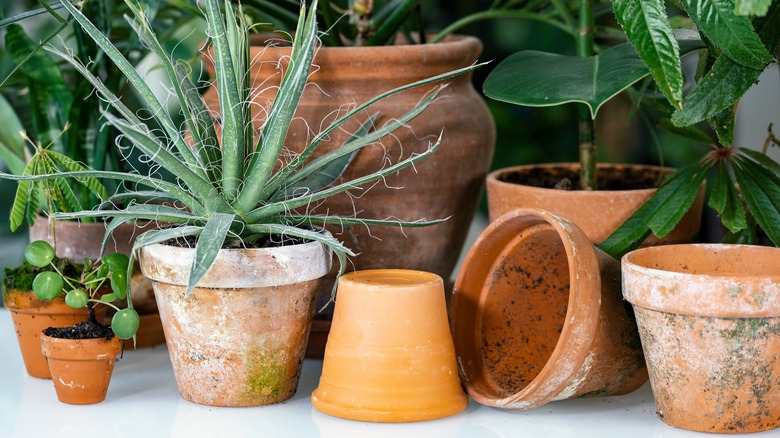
{"x": 81, "y": 360}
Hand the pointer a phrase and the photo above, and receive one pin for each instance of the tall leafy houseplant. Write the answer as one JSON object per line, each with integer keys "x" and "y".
{"x": 235, "y": 189}
{"x": 741, "y": 38}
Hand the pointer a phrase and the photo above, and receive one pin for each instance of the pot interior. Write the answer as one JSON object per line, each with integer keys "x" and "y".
{"x": 524, "y": 305}
{"x": 714, "y": 260}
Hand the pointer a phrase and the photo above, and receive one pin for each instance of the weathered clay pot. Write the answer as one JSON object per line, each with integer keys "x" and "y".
{"x": 239, "y": 338}
{"x": 81, "y": 368}
{"x": 598, "y": 213}
{"x": 79, "y": 240}
{"x": 31, "y": 316}
{"x": 537, "y": 316}
{"x": 390, "y": 356}
{"x": 346, "y": 76}
{"x": 709, "y": 317}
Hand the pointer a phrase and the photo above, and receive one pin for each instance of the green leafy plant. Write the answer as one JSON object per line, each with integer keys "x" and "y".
{"x": 235, "y": 188}
{"x": 89, "y": 288}
{"x": 740, "y": 38}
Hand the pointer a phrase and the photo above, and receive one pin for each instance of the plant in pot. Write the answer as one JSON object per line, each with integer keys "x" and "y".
{"x": 362, "y": 57}
{"x": 79, "y": 357}
{"x": 236, "y": 268}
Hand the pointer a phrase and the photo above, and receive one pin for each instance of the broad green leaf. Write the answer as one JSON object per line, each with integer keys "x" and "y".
{"x": 743, "y": 237}
{"x": 718, "y": 90}
{"x": 663, "y": 210}
{"x": 533, "y": 78}
{"x": 208, "y": 246}
{"x": 764, "y": 161}
{"x": 725, "y": 200}
{"x": 649, "y": 31}
{"x": 732, "y": 34}
{"x": 11, "y": 143}
{"x": 723, "y": 124}
{"x": 761, "y": 196}
{"x": 689, "y": 132}
{"x": 752, "y": 7}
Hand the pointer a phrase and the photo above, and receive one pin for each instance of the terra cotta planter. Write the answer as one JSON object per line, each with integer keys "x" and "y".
{"x": 709, "y": 317}
{"x": 346, "y": 76}
{"x": 390, "y": 356}
{"x": 239, "y": 338}
{"x": 31, "y": 316}
{"x": 537, "y": 316}
{"x": 599, "y": 212}
{"x": 81, "y": 368}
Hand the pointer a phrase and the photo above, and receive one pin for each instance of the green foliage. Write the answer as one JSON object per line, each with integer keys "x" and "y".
{"x": 239, "y": 193}
{"x": 83, "y": 284}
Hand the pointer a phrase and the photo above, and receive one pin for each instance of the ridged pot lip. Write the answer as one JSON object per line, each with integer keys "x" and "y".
{"x": 493, "y": 179}
{"x": 451, "y": 42}
{"x": 239, "y": 267}
{"x": 650, "y": 282}
{"x": 584, "y": 295}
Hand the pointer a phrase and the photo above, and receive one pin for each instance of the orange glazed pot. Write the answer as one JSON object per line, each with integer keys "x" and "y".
{"x": 347, "y": 76}
{"x": 31, "y": 316}
{"x": 599, "y": 212}
{"x": 537, "y": 316}
{"x": 390, "y": 356}
{"x": 81, "y": 368}
{"x": 709, "y": 317}
{"x": 239, "y": 338}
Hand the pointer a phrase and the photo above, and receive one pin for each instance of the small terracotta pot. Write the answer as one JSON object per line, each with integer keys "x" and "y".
{"x": 709, "y": 317}
{"x": 31, "y": 316}
{"x": 239, "y": 338}
{"x": 390, "y": 356}
{"x": 537, "y": 316}
{"x": 81, "y": 368}
{"x": 598, "y": 213}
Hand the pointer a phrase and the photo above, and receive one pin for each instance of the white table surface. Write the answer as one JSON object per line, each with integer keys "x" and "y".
{"x": 143, "y": 402}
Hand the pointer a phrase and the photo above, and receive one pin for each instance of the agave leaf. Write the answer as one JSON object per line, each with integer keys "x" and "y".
{"x": 347, "y": 221}
{"x": 280, "y": 207}
{"x": 152, "y": 237}
{"x": 725, "y": 200}
{"x": 209, "y": 243}
{"x": 155, "y": 107}
{"x": 663, "y": 209}
{"x": 330, "y": 170}
{"x": 261, "y": 164}
{"x": 113, "y": 224}
{"x": 125, "y": 198}
{"x": 27, "y": 14}
{"x": 762, "y": 196}
{"x": 649, "y": 31}
{"x": 161, "y": 213}
{"x": 730, "y": 33}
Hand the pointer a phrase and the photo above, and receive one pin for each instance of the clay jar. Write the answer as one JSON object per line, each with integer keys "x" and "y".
{"x": 346, "y": 76}
{"x": 598, "y": 213}
{"x": 81, "y": 368}
{"x": 709, "y": 317}
{"x": 31, "y": 316}
{"x": 537, "y": 316}
{"x": 390, "y": 356}
{"x": 239, "y": 338}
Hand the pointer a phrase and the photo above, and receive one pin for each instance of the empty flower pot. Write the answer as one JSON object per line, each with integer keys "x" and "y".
{"x": 389, "y": 355}
{"x": 709, "y": 317}
{"x": 537, "y": 316}
{"x": 81, "y": 368}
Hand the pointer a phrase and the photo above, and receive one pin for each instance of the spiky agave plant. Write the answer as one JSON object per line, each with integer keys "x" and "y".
{"x": 232, "y": 193}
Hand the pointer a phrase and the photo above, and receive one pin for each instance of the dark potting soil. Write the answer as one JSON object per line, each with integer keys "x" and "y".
{"x": 82, "y": 330}
{"x": 616, "y": 178}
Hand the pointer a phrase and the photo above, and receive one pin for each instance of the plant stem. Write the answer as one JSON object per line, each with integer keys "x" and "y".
{"x": 584, "y": 41}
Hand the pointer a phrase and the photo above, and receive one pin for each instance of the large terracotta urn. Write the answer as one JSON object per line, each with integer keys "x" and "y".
{"x": 446, "y": 185}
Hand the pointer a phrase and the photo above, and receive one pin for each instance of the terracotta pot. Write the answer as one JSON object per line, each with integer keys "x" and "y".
{"x": 598, "y": 213}
{"x": 79, "y": 240}
{"x": 390, "y": 356}
{"x": 346, "y": 76}
{"x": 31, "y": 316}
{"x": 537, "y": 316}
{"x": 81, "y": 368}
{"x": 709, "y": 317}
{"x": 239, "y": 338}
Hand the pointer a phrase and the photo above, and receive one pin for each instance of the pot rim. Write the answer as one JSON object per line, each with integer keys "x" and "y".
{"x": 493, "y": 178}
{"x": 253, "y": 267}
{"x": 255, "y": 43}
{"x": 724, "y": 295}
{"x": 80, "y": 349}
{"x": 556, "y": 377}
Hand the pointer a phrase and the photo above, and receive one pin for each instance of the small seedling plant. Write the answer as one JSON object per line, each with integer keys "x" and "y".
{"x": 87, "y": 290}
